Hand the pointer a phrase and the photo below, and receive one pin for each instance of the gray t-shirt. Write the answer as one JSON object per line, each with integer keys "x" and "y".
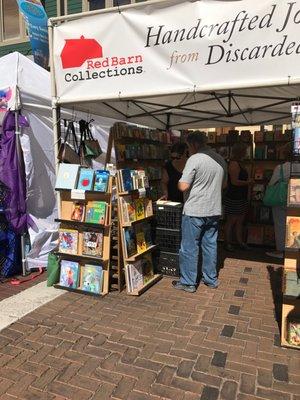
{"x": 206, "y": 172}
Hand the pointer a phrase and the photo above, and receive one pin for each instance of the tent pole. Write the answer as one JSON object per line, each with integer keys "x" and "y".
{"x": 57, "y": 139}
{"x": 21, "y": 161}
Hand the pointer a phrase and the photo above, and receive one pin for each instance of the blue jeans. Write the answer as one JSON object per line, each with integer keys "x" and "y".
{"x": 198, "y": 232}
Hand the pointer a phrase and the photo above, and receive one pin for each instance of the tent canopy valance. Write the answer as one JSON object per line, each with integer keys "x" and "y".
{"x": 180, "y": 64}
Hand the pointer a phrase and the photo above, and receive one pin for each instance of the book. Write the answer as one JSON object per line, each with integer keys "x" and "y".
{"x": 258, "y": 191}
{"x": 268, "y": 174}
{"x": 246, "y": 136}
{"x": 293, "y": 332}
{"x": 96, "y": 212}
{"x": 67, "y": 176}
{"x": 264, "y": 214}
{"x": 68, "y": 241}
{"x": 120, "y": 151}
{"x": 91, "y": 278}
{"x": 101, "y": 181}
{"x": 255, "y": 234}
{"x": 148, "y": 207}
{"x": 269, "y": 235}
{"x": 291, "y": 284}
{"x": 126, "y": 180}
{"x": 136, "y": 276}
{"x": 92, "y": 243}
{"x": 139, "y": 209}
{"x": 248, "y": 155}
{"x": 258, "y": 136}
{"x": 293, "y": 232}
{"x": 147, "y": 265}
{"x": 129, "y": 242}
{"x": 127, "y": 278}
{"x": 86, "y": 177}
{"x": 278, "y": 136}
{"x": 124, "y": 211}
{"x": 232, "y": 137}
{"x": 140, "y": 241}
{"x": 69, "y": 274}
{"x": 296, "y": 142}
{"x": 78, "y": 212}
{"x": 294, "y": 192}
{"x": 259, "y": 174}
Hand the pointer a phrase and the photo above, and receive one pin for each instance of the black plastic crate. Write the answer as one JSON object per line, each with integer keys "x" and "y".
{"x": 167, "y": 263}
{"x": 168, "y": 216}
{"x": 168, "y": 239}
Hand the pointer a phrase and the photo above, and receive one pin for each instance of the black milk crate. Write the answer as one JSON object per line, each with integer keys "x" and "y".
{"x": 167, "y": 263}
{"x": 168, "y": 216}
{"x": 168, "y": 239}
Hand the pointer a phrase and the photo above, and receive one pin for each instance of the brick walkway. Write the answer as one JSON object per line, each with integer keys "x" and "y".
{"x": 215, "y": 344}
{"x": 7, "y": 289}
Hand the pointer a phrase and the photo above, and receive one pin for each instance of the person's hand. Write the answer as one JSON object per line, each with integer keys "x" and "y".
{"x": 164, "y": 197}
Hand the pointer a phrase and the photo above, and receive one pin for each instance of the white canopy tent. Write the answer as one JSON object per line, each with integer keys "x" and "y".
{"x": 180, "y": 64}
{"x": 30, "y": 87}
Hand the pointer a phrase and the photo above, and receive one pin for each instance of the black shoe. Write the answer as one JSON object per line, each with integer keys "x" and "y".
{"x": 187, "y": 288}
{"x": 211, "y": 286}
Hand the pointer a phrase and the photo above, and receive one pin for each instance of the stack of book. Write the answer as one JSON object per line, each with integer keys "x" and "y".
{"x": 134, "y": 208}
{"x": 129, "y": 180}
{"x": 139, "y": 273}
{"x": 137, "y": 239}
{"x": 123, "y": 130}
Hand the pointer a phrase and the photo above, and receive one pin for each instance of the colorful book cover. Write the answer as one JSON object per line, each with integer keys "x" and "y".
{"x": 139, "y": 208}
{"x": 69, "y": 274}
{"x": 120, "y": 151}
{"x": 246, "y": 136}
{"x": 269, "y": 136}
{"x": 147, "y": 264}
{"x": 293, "y": 334}
{"x": 141, "y": 242}
{"x": 294, "y": 192}
{"x": 86, "y": 177}
{"x": 211, "y": 137}
{"x": 92, "y": 244}
{"x": 101, "y": 181}
{"x": 255, "y": 235}
{"x": 148, "y": 207}
{"x": 91, "y": 278}
{"x": 126, "y": 180}
{"x": 78, "y": 212}
{"x": 260, "y": 152}
{"x": 96, "y": 212}
{"x": 130, "y": 241}
{"x": 291, "y": 284}
{"x": 293, "y": 232}
{"x": 278, "y": 136}
{"x": 68, "y": 241}
{"x": 136, "y": 275}
{"x": 258, "y": 191}
{"x": 67, "y": 176}
{"x": 124, "y": 211}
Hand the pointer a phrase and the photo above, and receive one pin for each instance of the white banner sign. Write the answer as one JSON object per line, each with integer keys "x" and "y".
{"x": 177, "y": 46}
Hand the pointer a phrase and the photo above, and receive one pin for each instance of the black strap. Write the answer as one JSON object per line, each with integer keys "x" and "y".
{"x": 71, "y": 135}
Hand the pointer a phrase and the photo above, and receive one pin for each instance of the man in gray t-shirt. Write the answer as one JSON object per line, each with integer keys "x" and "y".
{"x": 203, "y": 178}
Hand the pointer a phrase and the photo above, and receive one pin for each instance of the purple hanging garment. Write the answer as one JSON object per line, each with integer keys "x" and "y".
{"x": 12, "y": 174}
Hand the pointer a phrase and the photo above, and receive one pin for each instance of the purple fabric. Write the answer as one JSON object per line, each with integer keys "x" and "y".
{"x": 12, "y": 175}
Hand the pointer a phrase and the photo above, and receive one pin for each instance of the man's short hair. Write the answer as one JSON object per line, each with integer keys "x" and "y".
{"x": 197, "y": 137}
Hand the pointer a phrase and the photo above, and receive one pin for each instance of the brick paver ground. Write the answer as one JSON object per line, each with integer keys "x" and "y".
{"x": 7, "y": 289}
{"x": 166, "y": 344}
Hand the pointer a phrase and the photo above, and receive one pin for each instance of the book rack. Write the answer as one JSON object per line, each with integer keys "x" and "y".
{"x": 67, "y": 199}
{"x": 123, "y": 223}
{"x": 140, "y": 148}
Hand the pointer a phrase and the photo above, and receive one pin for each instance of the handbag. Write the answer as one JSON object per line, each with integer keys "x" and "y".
{"x": 67, "y": 153}
{"x": 89, "y": 147}
{"x": 53, "y": 270}
{"x": 276, "y": 195}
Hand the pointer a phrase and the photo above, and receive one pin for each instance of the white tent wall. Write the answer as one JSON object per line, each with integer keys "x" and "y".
{"x": 32, "y": 84}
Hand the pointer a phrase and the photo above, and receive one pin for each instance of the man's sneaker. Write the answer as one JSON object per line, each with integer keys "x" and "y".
{"x": 211, "y": 286}
{"x": 187, "y": 288}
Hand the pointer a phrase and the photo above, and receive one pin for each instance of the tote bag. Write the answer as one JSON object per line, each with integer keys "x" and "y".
{"x": 276, "y": 195}
{"x": 67, "y": 153}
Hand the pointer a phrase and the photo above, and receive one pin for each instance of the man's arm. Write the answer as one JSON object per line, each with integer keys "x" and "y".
{"x": 183, "y": 186}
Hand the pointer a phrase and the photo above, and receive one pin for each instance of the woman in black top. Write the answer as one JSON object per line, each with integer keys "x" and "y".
{"x": 236, "y": 197}
{"x": 172, "y": 173}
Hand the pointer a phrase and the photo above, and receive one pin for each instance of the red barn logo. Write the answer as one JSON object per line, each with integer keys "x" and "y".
{"x": 77, "y": 51}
